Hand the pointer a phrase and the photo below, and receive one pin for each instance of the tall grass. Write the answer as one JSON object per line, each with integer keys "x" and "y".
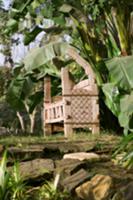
{"x": 4, "y": 179}
{"x": 11, "y": 184}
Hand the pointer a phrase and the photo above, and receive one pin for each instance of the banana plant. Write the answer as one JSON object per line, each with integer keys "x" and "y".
{"x": 21, "y": 99}
{"x": 36, "y": 65}
{"x": 119, "y": 90}
{"x": 100, "y": 25}
{"x": 41, "y": 57}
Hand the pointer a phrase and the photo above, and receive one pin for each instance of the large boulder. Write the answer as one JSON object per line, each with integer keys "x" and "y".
{"x": 98, "y": 188}
{"x": 85, "y": 191}
{"x": 102, "y": 186}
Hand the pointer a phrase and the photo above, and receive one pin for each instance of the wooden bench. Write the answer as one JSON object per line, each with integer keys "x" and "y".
{"x": 77, "y": 107}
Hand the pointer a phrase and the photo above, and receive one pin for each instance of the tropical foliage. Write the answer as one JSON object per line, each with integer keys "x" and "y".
{"x": 28, "y": 75}
{"x": 89, "y": 26}
{"x": 118, "y": 91}
{"x": 125, "y": 148}
{"x": 5, "y": 78}
{"x": 24, "y": 100}
{"x": 5, "y": 40}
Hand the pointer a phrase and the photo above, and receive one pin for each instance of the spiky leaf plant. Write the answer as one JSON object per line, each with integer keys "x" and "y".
{"x": 11, "y": 184}
{"x": 4, "y": 179}
{"x": 17, "y": 185}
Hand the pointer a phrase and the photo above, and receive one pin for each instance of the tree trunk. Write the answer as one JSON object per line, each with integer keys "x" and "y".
{"x": 21, "y": 121}
{"x": 32, "y": 120}
{"x": 31, "y": 117}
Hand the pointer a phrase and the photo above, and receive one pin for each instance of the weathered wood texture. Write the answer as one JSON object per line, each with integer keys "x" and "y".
{"x": 47, "y": 101}
{"x": 78, "y": 107}
{"x": 73, "y": 181}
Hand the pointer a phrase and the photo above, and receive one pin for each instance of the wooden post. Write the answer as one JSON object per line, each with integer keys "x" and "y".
{"x": 95, "y": 113}
{"x": 67, "y": 85}
{"x": 47, "y": 128}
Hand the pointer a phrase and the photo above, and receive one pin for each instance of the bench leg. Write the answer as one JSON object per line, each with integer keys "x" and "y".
{"x": 68, "y": 130}
{"x": 95, "y": 129}
{"x": 48, "y": 129}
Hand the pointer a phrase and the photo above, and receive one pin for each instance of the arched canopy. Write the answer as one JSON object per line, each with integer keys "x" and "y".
{"x": 82, "y": 62}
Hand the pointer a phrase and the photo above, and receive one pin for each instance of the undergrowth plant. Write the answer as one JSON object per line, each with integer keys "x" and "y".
{"x": 11, "y": 184}
{"x": 126, "y": 146}
{"x": 17, "y": 185}
{"x": 50, "y": 191}
{"x": 4, "y": 179}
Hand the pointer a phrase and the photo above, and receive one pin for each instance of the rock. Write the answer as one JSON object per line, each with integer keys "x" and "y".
{"x": 128, "y": 191}
{"x": 102, "y": 186}
{"x": 98, "y": 188}
{"x": 29, "y": 152}
{"x": 82, "y": 156}
{"x": 71, "y": 182}
{"x": 125, "y": 193}
{"x": 85, "y": 191}
{"x": 69, "y": 166}
{"x": 36, "y": 168}
{"x": 70, "y": 146}
{"x": 73, "y": 147}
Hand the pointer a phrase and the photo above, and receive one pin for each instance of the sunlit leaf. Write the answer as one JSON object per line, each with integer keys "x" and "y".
{"x": 66, "y": 8}
{"x": 42, "y": 55}
{"x": 112, "y": 99}
{"x": 120, "y": 71}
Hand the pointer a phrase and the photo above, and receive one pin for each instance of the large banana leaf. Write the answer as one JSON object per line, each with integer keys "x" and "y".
{"x": 112, "y": 97}
{"x": 121, "y": 105}
{"x": 119, "y": 92}
{"x": 126, "y": 114}
{"x": 42, "y": 55}
{"x": 121, "y": 72}
{"x": 47, "y": 69}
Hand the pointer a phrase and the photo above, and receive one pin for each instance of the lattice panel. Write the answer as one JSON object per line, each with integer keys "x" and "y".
{"x": 81, "y": 109}
{"x": 80, "y": 92}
